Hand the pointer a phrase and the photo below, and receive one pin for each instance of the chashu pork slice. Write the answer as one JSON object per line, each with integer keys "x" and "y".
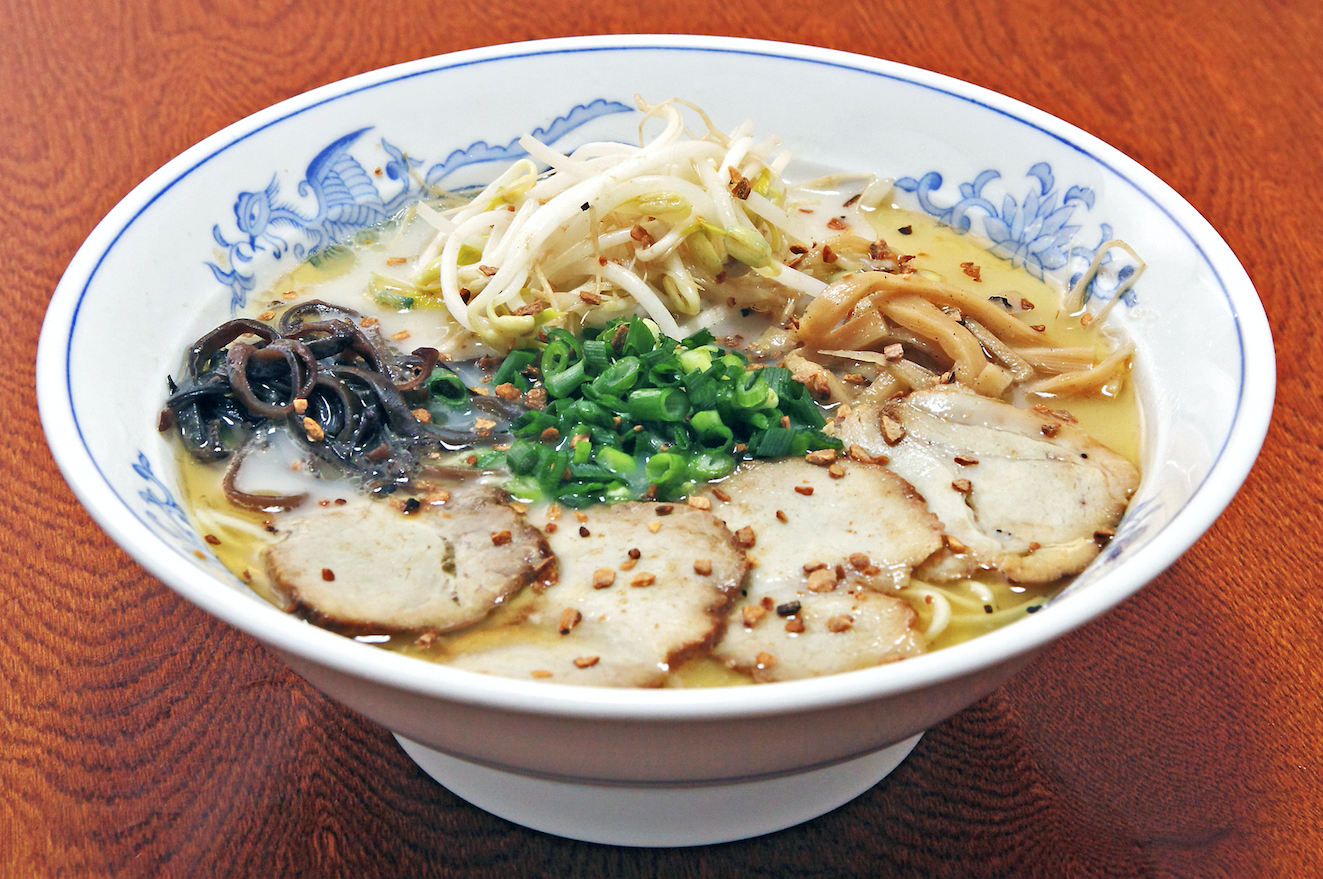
{"x": 827, "y": 552}
{"x": 1023, "y": 491}
{"x": 370, "y": 565}
{"x": 642, "y": 587}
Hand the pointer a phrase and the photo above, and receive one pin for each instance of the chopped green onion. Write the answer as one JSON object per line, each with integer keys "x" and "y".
{"x": 695, "y": 360}
{"x": 590, "y": 470}
{"x": 616, "y": 461}
{"x": 333, "y": 260}
{"x": 640, "y": 338}
{"x": 583, "y": 450}
{"x": 595, "y": 357}
{"x": 682, "y": 438}
{"x": 667, "y": 374}
{"x": 512, "y": 368}
{"x": 811, "y": 440}
{"x": 664, "y": 467}
{"x": 522, "y": 458}
{"x": 556, "y": 334}
{"x": 448, "y": 388}
{"x": 619, "y": 377}
{"x": 712, "y": 432}
{"x": 657, "y": 404}
{"x": 626, "y": 393}
{"x": 583, "y": 494}
{"x": 533, "y": 423}
{"x": 777, "y": 378}
{"x": 775, "y": 442}
{"x": 706, "y": 466}
{"x": 700, "y": 338}
{"x": 489, "y": 459}
{"x": 587, "y": 412}
{"x": 703, "y": 390}
{"x": 556, "y": 358}
{"x": 552, "y": 472}
{"x": 566, "y": 381}
{"x": 752, "y": 392}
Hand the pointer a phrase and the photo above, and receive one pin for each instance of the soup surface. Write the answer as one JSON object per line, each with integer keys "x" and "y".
{"x": 859, "y": 440}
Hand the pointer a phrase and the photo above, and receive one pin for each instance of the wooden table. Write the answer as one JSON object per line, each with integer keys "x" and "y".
{"x": 1178, "y": 737}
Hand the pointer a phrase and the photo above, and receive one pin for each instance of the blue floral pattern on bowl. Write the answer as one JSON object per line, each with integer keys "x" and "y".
{"x": 1034, "y": 232}
{"x": 346, "y": 199}
{"x": 167, "y": 518}
{"x": 161, "y": 508}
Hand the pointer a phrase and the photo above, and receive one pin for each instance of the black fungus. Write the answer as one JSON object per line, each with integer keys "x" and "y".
{"x": 348, "y": 398}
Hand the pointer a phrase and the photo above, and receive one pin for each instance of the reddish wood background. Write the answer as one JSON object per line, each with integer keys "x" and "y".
{"x": 1178, "y": 737}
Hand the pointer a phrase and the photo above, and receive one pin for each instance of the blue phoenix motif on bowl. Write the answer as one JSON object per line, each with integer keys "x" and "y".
{"x": 346, "y": 199}
{"x": 1034, "y": 232}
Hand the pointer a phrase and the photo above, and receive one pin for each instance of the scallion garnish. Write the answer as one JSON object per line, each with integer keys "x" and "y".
{"x": 633, "y": 413}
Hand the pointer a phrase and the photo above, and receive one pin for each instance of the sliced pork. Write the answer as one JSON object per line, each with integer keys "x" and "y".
{"x": 828, "y": 542}
{"x": 642, "y": 587}
{"x": 371, "y": 565}
{"x": 820, "y": 634}
{"x": 1023, "y": 491}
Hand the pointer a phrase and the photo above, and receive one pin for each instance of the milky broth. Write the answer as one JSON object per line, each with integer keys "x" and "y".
{"x": 238, "y": 537}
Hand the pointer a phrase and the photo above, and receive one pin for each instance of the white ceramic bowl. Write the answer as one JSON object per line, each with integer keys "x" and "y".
{"x": 668, "y": 767}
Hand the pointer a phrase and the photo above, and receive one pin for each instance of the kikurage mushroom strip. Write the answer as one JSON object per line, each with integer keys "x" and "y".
{"x": 344, "y": 396}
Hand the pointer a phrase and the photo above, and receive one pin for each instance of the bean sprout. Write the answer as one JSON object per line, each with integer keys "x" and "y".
{"x": 656, "y": 227}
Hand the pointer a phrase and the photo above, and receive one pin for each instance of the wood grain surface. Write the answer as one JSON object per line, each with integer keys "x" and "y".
{"x": 1180, "y": 736}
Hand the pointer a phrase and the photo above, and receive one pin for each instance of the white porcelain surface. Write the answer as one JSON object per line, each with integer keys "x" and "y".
{"x": 169, "y": 261}
{"x": 661, "y": 815}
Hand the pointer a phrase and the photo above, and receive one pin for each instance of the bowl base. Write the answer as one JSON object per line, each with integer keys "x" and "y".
{"x": 654, "y": 815}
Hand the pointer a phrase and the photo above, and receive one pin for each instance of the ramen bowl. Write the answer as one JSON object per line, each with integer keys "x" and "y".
{"x": 644, "y": 767}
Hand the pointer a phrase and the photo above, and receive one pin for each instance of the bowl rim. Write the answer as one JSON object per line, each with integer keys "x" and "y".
{"x": 287, "y": 634}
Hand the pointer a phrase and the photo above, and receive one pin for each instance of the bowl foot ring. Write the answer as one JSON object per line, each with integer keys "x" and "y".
{"x": 659, "y": 815}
